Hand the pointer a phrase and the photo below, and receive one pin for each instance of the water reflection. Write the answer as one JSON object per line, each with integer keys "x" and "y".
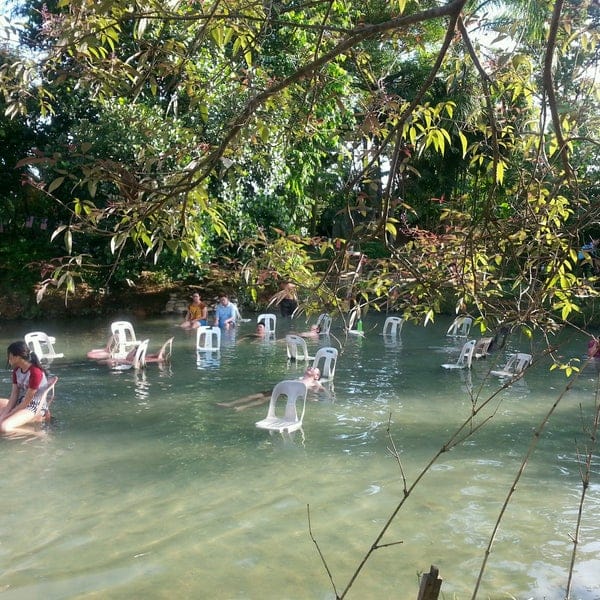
{"x": 392, "y": 342}
{"x": 208, "y": 360}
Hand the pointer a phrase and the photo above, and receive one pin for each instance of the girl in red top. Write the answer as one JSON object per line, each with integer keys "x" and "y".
{"x": 28, "y": 385}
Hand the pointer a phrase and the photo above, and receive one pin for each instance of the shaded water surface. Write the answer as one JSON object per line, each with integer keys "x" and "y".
{"x": 143, "y": 487}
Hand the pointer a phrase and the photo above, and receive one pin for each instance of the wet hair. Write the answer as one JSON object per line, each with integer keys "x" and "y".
{"x": 21, "y": 349}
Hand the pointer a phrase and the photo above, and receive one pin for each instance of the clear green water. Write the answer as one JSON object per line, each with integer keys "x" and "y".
{"x": 142, "y": 487}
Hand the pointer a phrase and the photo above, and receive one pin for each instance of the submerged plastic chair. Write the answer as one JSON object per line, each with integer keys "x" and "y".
{"x": 327, "y": 356}
{"x": 324, "y": 324}
{"x": 270, "y": 322}
{"x": 42, "y": 344}
{"x": 393, "y": 326}
{"x": 163, "y": 355}
{"x": 208, "y": 339}
{"x": 126, "y": 340}
{"x": 238, "y": 314}
{"x": 482, "y": 347}
{"x": 515, "y": 365}
{"x": 292, "y": 391}
{"x": 465, "y": 359}
{"x": 296, "y": 348}
{"x": 460, "y": 327}
{"x": 104, "y": 353}
{"x": 42, "y": 412}
{"x": 135, "y": 359}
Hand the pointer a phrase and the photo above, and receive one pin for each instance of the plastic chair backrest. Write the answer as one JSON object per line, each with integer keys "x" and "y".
{"x": 166, "y": 350}
{"x": 236, "y": 312}
{"x": 515, "y": 365}
{"x": 292, "y": 390}
{"x": 393, "y": 326}
{"x": 139, "y": 359}
{"x": 324, "y": 323}
{"x": 460, "y": 327}
{"x": 208, "y": 339}
{"x": 49, "y": 391}
{"x": 466, "y": 354}
{"x": 125, "y": 335}
{"x": 163, "y": 355}
{"x": 296, "y": 347}
{"x": 328, "y": 356}
{"x": 269, "y": 320}
{"x": 47, "y": 397}
{"x": 482, "y": 347}
{"x": 42, "y": 344}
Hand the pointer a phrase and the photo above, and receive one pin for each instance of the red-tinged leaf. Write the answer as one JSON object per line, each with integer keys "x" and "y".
{"x": 32, "y": 160}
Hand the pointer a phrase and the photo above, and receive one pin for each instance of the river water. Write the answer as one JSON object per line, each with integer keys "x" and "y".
{"x": 143, "y": 487}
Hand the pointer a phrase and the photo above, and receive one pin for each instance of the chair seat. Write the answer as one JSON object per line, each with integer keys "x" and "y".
{"x": 278, "y": 424}
{"x": 465, "y": 359}
{"x": 289, "y": 392}
{"x": 515, "y": 365}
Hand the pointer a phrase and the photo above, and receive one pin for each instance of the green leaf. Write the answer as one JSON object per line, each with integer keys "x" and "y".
{"x": 55, "y": 184}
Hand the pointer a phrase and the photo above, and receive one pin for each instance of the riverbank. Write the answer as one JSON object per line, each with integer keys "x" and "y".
{"x": 145, "y": 298}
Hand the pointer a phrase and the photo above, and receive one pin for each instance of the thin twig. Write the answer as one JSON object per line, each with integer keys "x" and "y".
{"x": 537, "y": 434}
{"x": 585, "y": 481}
{"x": 312, "y": 537}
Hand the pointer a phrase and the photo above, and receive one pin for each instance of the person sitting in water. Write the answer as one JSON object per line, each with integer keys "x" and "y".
{"x": 104, "y": 353}
{"x": 197, "y": 314}
{"x": 259, "y": 333}
{"x": 29, "y": 382}
{"x": 310, "y": 379}
{"x": 224, "y": 313}
{"x": 314, "y": 332}
{"x": 289, "y": 301}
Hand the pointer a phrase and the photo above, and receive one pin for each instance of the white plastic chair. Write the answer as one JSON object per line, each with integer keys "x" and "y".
{"x": 393, "y": 326}
{"x": 324, "y": 323}
{"x": 515, "y": 365}
{"x": 270, "y": 322}
{"x": 125, "y": 335}
{"x": 328, "y": 356}
{"x": 465, "y": 359}
{"x": 292, "y": 391}
{"x": 208, "y": 339}
{"x": 135, "y": 359}
{"x": 296, "y": 348}
{"x": 460, "y": 327}
{"x": 238, "y": 314}
{"x": 45, "y": 401}
{"x": 482, "y": 347}
{"x": 163, "y": 355}
{"x": 104, "y": 353}
{"x": 42, "y": 344}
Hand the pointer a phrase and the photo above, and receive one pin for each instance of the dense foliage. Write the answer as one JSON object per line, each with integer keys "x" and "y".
{"x": 462, "y": 169}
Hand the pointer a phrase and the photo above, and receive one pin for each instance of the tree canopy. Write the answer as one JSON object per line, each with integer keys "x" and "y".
{"x": 454, "y": 146}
